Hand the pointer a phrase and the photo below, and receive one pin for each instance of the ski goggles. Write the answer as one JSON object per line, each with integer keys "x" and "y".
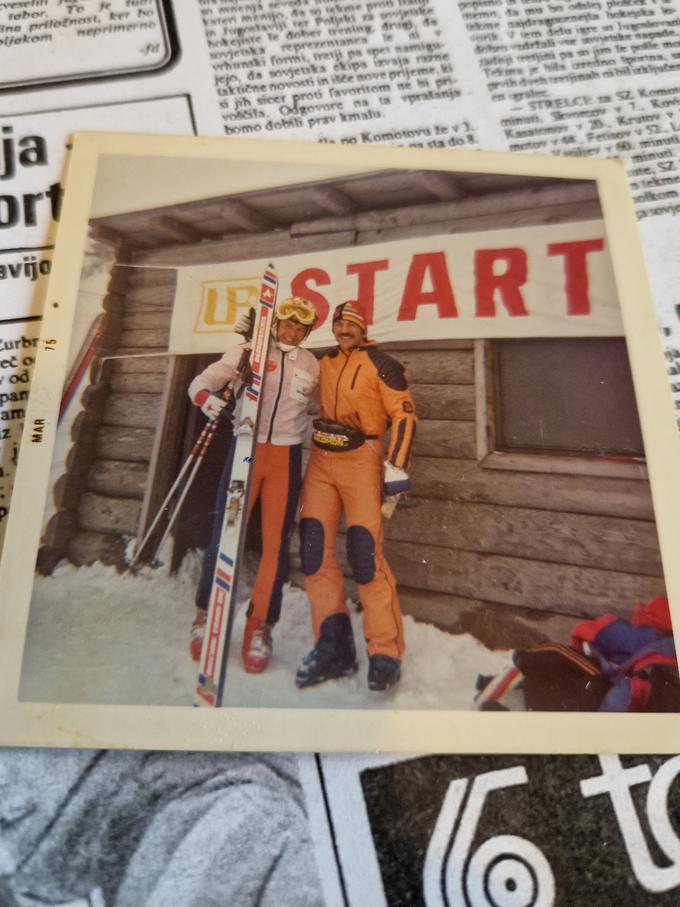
{"x": 292, "y": 308}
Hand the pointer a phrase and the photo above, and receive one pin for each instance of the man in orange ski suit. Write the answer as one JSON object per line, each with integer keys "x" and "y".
{"x": 362, "y": 390}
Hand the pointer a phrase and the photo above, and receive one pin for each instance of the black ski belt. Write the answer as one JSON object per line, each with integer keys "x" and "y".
{"x": 336, "y": 437}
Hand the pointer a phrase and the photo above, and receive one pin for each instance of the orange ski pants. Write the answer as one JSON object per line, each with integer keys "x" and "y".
{"x": 350, "y": 481}
{"x": 275, "y": 480}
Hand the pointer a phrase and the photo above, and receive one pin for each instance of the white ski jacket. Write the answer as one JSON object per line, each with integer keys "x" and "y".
{"x": 289, "y": 381}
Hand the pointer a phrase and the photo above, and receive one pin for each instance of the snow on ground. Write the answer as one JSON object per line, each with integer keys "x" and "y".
{"x": 96, "y": 636}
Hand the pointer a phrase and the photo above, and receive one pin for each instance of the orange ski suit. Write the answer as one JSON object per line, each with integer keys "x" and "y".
{"x": 364, "y": 389}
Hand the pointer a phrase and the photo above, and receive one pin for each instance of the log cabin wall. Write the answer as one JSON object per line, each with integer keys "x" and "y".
{"x": 100, "y": 496}
{"x": 474, "y": 548}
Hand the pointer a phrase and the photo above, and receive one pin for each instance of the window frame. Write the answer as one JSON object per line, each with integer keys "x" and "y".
{"x": 490, "y": 458}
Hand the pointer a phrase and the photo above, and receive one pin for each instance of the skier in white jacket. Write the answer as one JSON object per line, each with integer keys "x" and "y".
{"x": 291, "y": 376}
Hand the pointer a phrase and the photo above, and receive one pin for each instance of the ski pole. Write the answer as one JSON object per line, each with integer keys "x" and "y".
{"x": 208, "y": 429}
{"x": 187, "y": 485}
{"x": 197, "y": 453}
{"x": 234, "y": 394}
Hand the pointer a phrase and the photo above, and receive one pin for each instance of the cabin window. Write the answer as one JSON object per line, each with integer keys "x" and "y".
{"x": 558, "y": 405}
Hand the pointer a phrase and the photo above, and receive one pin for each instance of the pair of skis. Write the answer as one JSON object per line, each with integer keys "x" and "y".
{"x": 213, "y": 662}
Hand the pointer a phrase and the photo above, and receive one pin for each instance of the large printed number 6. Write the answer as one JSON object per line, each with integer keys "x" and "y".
{"x": 504, "y": 871}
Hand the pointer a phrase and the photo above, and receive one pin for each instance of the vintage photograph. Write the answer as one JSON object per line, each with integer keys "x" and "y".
{"x": 340, "y": 434}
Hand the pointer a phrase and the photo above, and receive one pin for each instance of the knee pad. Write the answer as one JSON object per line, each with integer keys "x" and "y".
{"x": 311, "y": 545}
{"x": 361, "y": 554}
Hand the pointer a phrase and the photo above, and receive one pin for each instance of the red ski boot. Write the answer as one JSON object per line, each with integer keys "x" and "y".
{"x": 197, "y": 634}
{"x": 257, "y": 646}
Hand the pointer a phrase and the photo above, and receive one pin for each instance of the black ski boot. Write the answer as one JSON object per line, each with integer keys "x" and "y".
{"x": 383, "y": 672}
{"x": 334, "y": 654}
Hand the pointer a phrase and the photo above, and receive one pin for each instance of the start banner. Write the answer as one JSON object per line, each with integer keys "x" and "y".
{"x": 552, "y": 280}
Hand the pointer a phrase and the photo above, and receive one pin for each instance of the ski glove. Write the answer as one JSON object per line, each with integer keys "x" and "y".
{"x": 245, "y": 324}
{"x": 212, "y": 406}
{"x": 397, "y": 482}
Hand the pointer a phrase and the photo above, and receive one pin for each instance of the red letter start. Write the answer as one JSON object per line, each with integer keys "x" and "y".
{"x": 299, "y": 287}
{"x": 576, "y": 271}
{"x": 507, "y": 283}
{"x": 366, "y": 271}
{"x": 432, "y": 264}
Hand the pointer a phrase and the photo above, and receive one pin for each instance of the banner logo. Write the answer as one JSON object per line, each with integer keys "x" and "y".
{"x": 222, "y": 301}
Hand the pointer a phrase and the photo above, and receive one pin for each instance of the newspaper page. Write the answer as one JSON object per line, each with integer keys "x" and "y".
{"x": 597, "y": 77}
{"x": 501, "y": 830}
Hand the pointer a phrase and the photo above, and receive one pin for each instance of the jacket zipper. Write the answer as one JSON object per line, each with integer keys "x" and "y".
{"x": 337, "y": 387}
{"x": 354, "y": 379}
{"x": 276, "y": 401}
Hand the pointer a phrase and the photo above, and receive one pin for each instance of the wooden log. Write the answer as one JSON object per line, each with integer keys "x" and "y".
{"x": 68, "y": 489}
{"x": 436, "y": 366}
{"x": 170, "y": 229}
{"x": 243, "y": 217}
{"x": 94, "y": 396}
{"x": 138, "y": 382}
{"x": 238, "y": 248}
{"x": 118, "y": 281}
{"x": 156, "y": 338}
{"x": 438, "y": 438}
{"x": 86, "y": 548}
{"x": 150, "y": 319}
{"x": 60, "y": 527}
{"x": 140, "y": 365}
{"x": 150, "y": 297}
{"x": 581, "y": 197}
{"x": 145, "y": 238}
{"x": 134, "y": 410}
{"x": 100, "y": 513}
{"x": 129, "y": 444}
{"x": 331, "y": 199}
{"x": 113, "y": 302}
{"x": 580, "y": 211}
{"x": 151, "y": 277}
{"x": 80, "y": 457}
{"x": 608, "y": 543}
{"x": 426, "y": 345}
{"x": 47, "y": 560}
{"x": 443, "y": 401}
{"x": 444, "y": 186}
{"x": 117, "y": 479}
{"x": 139, "y": 353}
{"x": 85, "y": 427}
{"x": 561, "y": 588}
{"x": 465, "y": 480}
{"x": 495, "y": 626}
{"x": 104, "y": 234}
